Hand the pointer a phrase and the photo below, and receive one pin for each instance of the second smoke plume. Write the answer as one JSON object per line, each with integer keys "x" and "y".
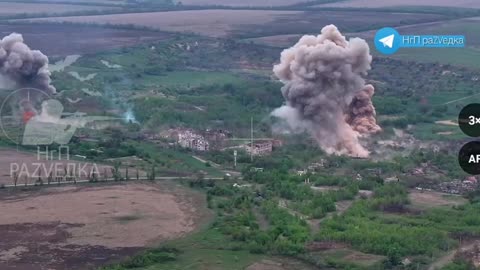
{"x": 22, "y": 67}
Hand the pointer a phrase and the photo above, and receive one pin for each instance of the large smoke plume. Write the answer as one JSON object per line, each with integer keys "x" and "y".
{"x": 325, "y": 91}
{"x": 22, "y": 67}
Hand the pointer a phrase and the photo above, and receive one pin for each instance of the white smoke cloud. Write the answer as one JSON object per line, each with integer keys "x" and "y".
{"x": 325, "y": 90}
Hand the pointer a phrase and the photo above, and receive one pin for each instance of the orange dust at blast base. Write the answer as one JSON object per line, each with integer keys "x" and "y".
{"x": 27, "y": 115}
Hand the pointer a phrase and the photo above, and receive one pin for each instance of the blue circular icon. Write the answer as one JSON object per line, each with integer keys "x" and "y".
{"x": 387, "y": 40}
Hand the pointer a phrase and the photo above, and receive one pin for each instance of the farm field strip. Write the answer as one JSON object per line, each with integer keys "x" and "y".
{"x": 243, "y": 3}
{"x": 7, "y": 8}
{"x": 397, "y": 3}
{"x": 80, "y": 40}
{"x": 246, "y": 23}
{"x": 89, "y": 2}
{"x": 213, "y": 23}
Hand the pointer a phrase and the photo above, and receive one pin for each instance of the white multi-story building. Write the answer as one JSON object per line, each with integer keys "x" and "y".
{"x": 192, "y": 140}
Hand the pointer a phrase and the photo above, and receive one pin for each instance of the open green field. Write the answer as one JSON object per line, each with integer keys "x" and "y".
{"x": 210, "y": 249}
{"x": 467, "y": 27}
{"x": 438, "y": 132}
{"x": 207, "y": 250}
{"x": 171, "y": 161}
{"x": 463, "y": 57}
{"x": 192, "y": 79}
{"x": 467, "y": 57}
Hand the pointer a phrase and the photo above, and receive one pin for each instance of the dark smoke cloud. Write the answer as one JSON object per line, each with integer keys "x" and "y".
{"x": 361, "y": 113}
{"x": 325, "y": 91}
{"x": 22, "y": 67}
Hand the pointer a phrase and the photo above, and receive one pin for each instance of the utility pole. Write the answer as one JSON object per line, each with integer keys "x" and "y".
{"x": 234, "y": 159}
{"x": 251, "y": 139}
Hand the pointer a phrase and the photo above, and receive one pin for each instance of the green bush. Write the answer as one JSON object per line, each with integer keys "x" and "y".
{"x": 148, "y": 258}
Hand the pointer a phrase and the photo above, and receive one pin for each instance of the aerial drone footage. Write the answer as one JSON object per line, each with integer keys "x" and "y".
{"x": 239, "y": 135}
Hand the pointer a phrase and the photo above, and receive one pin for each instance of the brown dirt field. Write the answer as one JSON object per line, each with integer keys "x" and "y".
{"x": 339, "y": 251}
{"x": 428, "y": 199}
{"x": 393, "y": 3}
{"x": 243, "y": 3}
{"x": 110, "y": 2}
{"x": 284, "y": 29}
{"x": 215, "y": 23}
{"x": 279, "y": 264}
{"x": 75, "y": 39}
{"x": 84, "y": 227}
{"x": 363, "y": 258}
{"x": 7, "y": 8}
{"x": 250, "y": 23}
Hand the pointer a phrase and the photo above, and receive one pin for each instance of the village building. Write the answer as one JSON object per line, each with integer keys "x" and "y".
{"x": 190, "y": 139}
{"x": 260, "y": 148}
{"x": 467, "y": 185}
{"x": 217, "y": 138}
{"x": 186, "y": 138}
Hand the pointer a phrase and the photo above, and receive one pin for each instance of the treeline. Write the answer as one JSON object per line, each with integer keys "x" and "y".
{"x": 114, "y": 143}
{"x": 145, "y": 259}
{"x": 370, "y": 227}
{"x": 282, "y": 199}
{"x": 286, "y": 234}
{"x": 369, "y": 231}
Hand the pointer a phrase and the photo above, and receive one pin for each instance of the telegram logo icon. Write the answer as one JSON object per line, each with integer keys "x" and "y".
{"x": 387, "y": 40}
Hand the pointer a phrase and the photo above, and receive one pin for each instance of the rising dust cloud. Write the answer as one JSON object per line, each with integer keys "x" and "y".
{"x": 325, "y": 91}
{"x": 22, "y": 67}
